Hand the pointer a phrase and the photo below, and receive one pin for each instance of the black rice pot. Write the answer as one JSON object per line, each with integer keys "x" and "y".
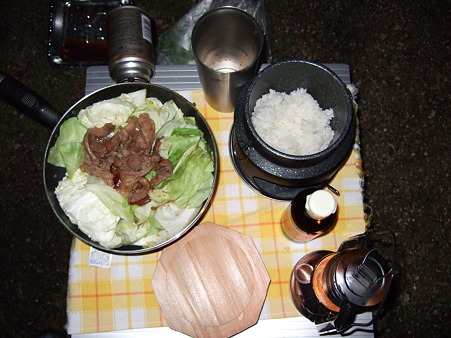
{"x": 273, "y": 173}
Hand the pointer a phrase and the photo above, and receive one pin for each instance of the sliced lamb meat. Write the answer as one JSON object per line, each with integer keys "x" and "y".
{"x": 137, "y": 136}
{"x": 139, "y": 192}
{"x": 122, "y": 160}
{"x": 157, "y": 145}
{"x": 137, "y": 165}
{"x": 96, "y": 143}
{"x": 164, "y": 170}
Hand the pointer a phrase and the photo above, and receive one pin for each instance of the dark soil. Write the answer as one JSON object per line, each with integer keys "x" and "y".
{"x": 399, "y": 54}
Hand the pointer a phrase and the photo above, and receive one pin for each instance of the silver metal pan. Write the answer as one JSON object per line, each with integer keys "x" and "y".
{"x": 26, "y": 101}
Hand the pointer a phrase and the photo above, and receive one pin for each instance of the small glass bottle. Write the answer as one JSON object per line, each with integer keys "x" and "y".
{"x": 309, "y": 215}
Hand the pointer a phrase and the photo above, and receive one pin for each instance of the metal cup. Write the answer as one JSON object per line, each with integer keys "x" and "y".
{"x": 227, "y": 43}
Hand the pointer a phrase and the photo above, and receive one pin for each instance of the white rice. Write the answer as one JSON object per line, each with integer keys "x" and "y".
{"x": 293, "y": 123}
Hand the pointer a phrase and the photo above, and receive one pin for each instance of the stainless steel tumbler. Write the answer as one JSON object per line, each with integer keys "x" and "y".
{"x": 227, "y": 43}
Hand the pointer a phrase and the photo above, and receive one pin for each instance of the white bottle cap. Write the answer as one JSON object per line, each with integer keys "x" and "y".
{"x": 320, "y": 204}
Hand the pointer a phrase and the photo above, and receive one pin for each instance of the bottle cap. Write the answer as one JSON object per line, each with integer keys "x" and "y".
{"x": 320, "y": 204}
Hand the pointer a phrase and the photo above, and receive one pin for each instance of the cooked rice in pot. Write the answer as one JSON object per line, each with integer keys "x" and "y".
{"x": 293, "y": 123}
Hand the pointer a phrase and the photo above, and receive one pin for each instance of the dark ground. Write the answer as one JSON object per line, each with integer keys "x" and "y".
{"x": 399, "y": 54}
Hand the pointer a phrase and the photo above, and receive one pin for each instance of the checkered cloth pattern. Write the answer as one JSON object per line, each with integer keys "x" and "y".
{"x": 121, "y": 297}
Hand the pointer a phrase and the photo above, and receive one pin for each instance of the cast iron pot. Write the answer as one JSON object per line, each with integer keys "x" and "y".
{"x": 18, "y": 95}
{"x": 272, "y": 172}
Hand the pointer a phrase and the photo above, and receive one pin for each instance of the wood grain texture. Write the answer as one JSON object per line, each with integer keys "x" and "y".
{"x": 212, "y": 282}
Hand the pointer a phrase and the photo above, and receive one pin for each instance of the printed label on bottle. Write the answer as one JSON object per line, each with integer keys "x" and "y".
{"x": 291, "y": 230}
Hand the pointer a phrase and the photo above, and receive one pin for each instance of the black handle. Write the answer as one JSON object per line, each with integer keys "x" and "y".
{"x": 28, "y": 102}
{"x": 345, "y": 317}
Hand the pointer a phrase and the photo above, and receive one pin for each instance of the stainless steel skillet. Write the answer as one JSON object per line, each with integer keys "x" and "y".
{"x": 28, "y": 102}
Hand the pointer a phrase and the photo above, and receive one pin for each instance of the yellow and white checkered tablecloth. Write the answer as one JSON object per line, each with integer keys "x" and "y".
{"x": 121, "y": 297}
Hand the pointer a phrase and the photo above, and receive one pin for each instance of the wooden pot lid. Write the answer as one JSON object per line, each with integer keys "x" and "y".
{"x": 211, "y": 283}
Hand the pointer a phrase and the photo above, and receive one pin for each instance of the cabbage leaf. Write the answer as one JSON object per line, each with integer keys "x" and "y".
{"x": 68, "y": 149}
{"x": 192, "y": 177}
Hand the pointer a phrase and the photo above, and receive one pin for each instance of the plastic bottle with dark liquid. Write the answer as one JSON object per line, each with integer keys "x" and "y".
{"x": 309, "y": 215}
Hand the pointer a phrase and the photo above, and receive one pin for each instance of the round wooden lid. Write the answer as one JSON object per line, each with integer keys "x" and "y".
{"x": 212, "y": 282}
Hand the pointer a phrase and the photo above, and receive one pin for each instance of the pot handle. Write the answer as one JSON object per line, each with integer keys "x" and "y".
{"x": 28, "y": 102}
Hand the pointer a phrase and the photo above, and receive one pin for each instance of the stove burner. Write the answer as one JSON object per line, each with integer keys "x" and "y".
{"x": 254, "y": 177}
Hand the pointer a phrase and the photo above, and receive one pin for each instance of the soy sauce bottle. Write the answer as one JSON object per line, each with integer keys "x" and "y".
{"x": 311, "y": 214}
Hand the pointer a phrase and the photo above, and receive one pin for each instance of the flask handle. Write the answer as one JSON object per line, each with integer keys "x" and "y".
{"x": 365, "y": 276}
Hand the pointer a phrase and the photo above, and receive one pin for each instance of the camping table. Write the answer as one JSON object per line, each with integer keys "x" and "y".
{"x": 119, "y": 301}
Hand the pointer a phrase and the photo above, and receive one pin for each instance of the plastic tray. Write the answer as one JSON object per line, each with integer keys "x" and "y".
{"x": 77, "y": 34}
